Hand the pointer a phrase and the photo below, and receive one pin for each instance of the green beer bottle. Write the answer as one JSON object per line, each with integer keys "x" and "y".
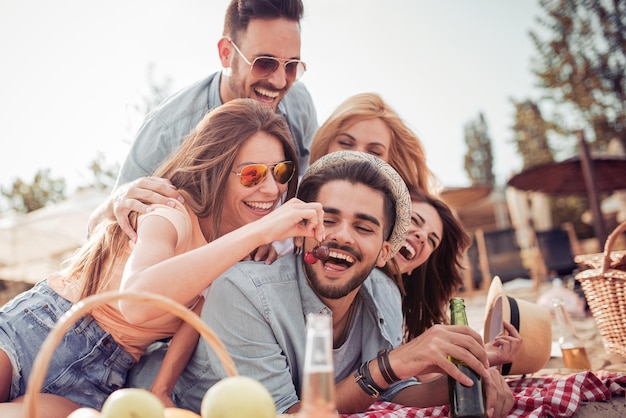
{"x": 465, "y": 401}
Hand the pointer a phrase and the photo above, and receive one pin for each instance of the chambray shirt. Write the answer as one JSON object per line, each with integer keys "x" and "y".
{"x": 258, "y": 312}
{"x": 164, "y": 129}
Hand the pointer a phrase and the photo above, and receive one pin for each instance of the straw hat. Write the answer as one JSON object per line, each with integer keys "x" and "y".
{"x": 396, "y": 185}
{"x": 532, "y": 321}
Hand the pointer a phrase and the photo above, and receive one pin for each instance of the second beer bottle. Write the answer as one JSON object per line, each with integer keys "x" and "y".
{"x": 465, "y": 401}
{"x": 318, "y": 382}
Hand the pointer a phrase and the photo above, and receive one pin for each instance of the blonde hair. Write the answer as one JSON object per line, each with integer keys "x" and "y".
{"x": 406, "y": 153}
{"x": 199, "y": 170}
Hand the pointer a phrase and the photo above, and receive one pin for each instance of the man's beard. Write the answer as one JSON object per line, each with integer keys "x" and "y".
{"x": 235, "y": 87}
{"x": 238, "y": 88}
{"x": 335, "y": 291}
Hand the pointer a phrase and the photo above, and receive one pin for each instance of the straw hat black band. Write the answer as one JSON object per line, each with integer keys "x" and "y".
{"x": 506, "y": 368}
{"x": 396, "y": 186}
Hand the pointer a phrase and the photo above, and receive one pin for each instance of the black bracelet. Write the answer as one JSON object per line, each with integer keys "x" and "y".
{"x": 363, "y": 377}
{"x": 385, "y": 367}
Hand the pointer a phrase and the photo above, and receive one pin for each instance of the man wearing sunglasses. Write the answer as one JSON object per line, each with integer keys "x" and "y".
{"x": 260, "y": 57}
{"x": 258, "y": 311}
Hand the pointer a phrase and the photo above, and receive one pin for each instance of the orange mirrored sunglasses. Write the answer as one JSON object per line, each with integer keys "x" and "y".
{"x": 252, "y": 174}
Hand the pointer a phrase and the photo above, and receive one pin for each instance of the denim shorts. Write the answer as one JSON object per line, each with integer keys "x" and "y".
{"x": 86, "y": 366}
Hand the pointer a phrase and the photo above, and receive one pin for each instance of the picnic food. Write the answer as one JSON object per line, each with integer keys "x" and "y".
{"x": 85, "y": 413}
{"x": 320, "y": 252}
{"x": 238, "y": 397}
{"x": 132, "y": 403}
{"x": 172, "y": 412}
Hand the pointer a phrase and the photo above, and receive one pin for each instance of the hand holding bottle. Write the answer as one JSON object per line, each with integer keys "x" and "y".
{"x": 465, "y": 401}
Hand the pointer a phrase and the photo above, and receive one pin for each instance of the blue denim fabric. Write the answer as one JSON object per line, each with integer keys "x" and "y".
{"x": 86, "y": 366}
{"x": 258, "y": 312}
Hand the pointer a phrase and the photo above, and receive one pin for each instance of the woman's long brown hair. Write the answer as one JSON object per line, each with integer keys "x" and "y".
{"x": 199, "y": 169}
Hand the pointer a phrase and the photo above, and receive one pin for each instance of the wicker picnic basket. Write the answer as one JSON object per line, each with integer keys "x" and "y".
{"x": 85, "y": 306}
{"x": 604, "y": 286}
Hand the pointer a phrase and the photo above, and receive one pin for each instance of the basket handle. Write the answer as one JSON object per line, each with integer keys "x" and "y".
{"x": 85, "y": 306}
{"x": 608, "y": 246}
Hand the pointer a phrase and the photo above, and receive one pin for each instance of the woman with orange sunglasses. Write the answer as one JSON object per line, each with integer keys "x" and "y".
{"x": 233, "y": 170}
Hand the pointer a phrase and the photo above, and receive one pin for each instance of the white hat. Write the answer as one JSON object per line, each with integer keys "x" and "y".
{"x": 532, "y": 321}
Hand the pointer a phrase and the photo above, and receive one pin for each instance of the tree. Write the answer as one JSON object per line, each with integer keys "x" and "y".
{"x": 581, "y": 66}
{"x": 103, "y": 175}
{"x": 24, "y": 196}
{"x": 530, "y": 132}
{"x": 479, "y": 157}
{"x": 27, "y": 197}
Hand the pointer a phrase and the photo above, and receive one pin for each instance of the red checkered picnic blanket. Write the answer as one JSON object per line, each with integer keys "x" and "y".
{"x": 550, "y": 396}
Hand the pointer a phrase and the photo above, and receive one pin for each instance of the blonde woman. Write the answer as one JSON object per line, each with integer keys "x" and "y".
{"x": 364, "y": 122}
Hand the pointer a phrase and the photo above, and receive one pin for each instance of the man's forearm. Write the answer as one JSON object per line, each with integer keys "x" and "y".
{"x": 424, "y": 395}
{"x": 350, "y": 398}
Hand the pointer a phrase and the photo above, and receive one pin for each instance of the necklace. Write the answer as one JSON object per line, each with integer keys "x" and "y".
{"x": 347, "y": 325}
{"x": 348, "y": 316}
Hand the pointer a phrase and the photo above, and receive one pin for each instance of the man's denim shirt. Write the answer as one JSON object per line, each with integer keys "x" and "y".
{"x": 258, "y": 312}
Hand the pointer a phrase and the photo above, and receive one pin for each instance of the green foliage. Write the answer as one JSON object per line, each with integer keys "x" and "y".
{"x": 530, "y": 132}
{"x": 103, "y": 175}
{"x": 479, "y": 157}
{"x": 581, "y": 66}
{"x": 26, "y": 197}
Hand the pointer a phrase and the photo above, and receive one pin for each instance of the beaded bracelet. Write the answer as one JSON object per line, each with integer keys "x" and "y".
{"x": 385, "y": 367}
{"x": 363, "y": 377}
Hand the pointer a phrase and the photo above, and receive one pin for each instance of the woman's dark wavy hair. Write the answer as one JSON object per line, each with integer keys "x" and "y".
{"x": 429, "y": 287}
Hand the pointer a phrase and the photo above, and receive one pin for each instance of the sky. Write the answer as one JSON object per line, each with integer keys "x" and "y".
{"x": 73, "y": 71}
